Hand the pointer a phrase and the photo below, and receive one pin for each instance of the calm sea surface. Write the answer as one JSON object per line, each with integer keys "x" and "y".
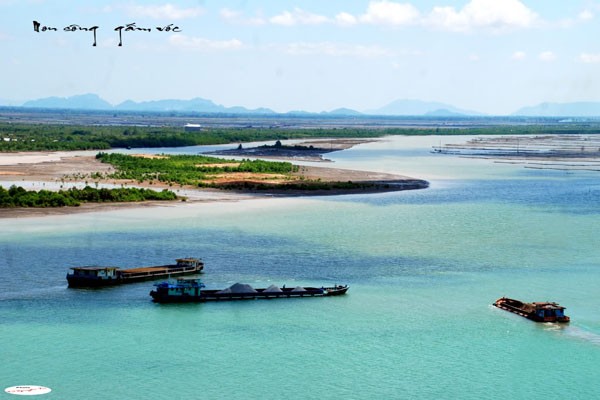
{"x": 423, "y": 268}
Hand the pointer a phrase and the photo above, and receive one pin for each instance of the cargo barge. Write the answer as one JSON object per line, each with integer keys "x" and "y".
{"x": 192, "y": 291}
{"x": 109, "y": 276}
{"x": 536, "y": 311}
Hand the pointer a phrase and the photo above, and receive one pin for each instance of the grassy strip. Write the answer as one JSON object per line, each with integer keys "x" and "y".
{"x": 16, "y": 196}
{"x": 186, "y": 169}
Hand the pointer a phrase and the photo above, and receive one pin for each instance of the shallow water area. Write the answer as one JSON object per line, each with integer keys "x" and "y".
{"x": 423, "y": 267}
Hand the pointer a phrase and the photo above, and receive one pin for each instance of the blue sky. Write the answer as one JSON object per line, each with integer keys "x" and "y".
{"x": 492, "y": 56}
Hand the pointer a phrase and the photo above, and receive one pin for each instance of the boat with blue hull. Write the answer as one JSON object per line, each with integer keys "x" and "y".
{"x": 109, "y": 276}
{"x": 193, "y": 291}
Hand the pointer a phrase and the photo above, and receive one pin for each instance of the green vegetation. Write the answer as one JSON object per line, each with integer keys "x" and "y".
{"x": 37, "y": 137}
{"x": 16, "y": 196}
{"x": 30, "y": 137}
{"x": 186, "y": 169}
{"x": 203, "y": 171}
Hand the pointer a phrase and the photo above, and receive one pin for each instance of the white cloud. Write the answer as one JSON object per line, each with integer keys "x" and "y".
{"x": 474, "y": 58}
{"x": 586, "y": 15}
{"x": 489, "y": 15}
{"x": 518, "y": 55}
{"x": 495, "y": 15}
{"x": 229, "y": 14}
{"x": 547, "y": 56}
{"x": 390, "y": 13}
{"x": 236, "y": 17}
{"x": 589, "y": 58}
{"x": 345, "y": 19}
{"x": 298, "y": 17}
{"x": 336, "y": 49}
{"x": 165, "y": 11}
{"x": 447, "y": 18}
{"x": 197, "y": 43}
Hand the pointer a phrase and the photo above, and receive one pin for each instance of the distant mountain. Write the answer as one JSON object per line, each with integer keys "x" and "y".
{"x": 194, "y": 105}
{"x": 418, "y": 107}
{"x": 244, "y": 110}
{"x": 298, "y": 113}
{"x": 342, "y": 111}
{"x": 94, "y": 102}
{"x": 401, "y": 107}
{"x": 80, "y": 102}
{"x": 577, "y": 109}
{"x": 442, "y": 112}
{"x": 170, "y": 105}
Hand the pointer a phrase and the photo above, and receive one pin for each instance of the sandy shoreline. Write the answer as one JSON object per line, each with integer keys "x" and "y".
{"x": 56, "y": 170}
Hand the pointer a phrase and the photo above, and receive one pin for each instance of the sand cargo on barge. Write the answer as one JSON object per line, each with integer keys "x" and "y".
{"x": 94, "y": 276}
{"x": 192, "y": 291}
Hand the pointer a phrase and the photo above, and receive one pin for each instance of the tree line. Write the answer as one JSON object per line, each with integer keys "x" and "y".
{"x": 17, "y": 196}
{"x": 38, "y": 137}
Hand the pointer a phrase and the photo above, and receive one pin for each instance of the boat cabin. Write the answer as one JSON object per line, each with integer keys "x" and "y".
{"x": 95, "y": 272}
{"x": 188, "y": 262}
{"x": 183, "y": 287}
{"x": 549, "y": 312}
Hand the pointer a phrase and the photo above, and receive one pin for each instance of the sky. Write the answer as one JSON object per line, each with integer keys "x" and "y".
{"x": 490, "y": 56}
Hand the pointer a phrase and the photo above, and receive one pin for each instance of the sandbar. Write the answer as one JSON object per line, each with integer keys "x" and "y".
{"x": 62, "y": 170}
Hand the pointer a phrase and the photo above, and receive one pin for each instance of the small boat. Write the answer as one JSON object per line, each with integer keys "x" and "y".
{"x": 110, "y": 276}
{"x": 537, "y": 311}
{"x": 192, "y": 291}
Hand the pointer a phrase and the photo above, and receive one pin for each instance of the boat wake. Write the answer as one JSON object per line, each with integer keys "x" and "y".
{"x": 582, "y": 334}
{"x": 32, "y": 294}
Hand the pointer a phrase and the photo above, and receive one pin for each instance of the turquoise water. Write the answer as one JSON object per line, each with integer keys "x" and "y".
{"x": 423, "y": 266}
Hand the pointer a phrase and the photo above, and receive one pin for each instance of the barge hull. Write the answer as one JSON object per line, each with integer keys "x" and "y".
{"x": 162, "y": 295}
{"x": 153, "y": 273}
{"x": 84, "y": 276}
{"x": 537, "y": 311}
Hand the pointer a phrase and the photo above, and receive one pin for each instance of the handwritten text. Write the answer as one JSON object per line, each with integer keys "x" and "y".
{"x": 38, "y": 27}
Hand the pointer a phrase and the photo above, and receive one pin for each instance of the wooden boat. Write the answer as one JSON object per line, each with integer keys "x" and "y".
{"x": 537, "y": 311}
{"x": 109, "y": 276}
{"x": 192, "y": 291}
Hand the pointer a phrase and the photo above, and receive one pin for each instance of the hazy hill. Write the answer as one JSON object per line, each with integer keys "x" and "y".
{"x": 94, "y": 102}
{"x": 193, "y": 105}
{"x": 418, "y": 107}
{"x": 401, "y": 107}
{"x": 244, "y": 110}
{"x": 342, "y": 111}
{"x": 577, "y": 109}
{"x": 82, "y": 102}
{"x": 196, "y": 104}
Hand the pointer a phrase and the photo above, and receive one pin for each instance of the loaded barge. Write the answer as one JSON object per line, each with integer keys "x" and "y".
{"x": 192, "y": 291}
{"x": 109, "y": 276}
{"x": 537, "y": 311}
